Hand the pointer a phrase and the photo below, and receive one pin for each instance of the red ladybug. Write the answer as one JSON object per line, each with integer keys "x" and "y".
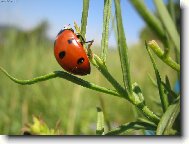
{"x": 70, "y": 54}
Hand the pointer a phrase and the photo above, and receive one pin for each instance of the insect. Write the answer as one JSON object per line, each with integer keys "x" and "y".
{"x": 70, "y": 53}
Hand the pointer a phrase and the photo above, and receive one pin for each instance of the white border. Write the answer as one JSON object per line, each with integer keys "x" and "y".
{"x": 134, "y": 140}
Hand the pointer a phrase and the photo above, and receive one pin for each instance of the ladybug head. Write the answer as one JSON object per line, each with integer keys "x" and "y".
{"x": 67, "y": 27}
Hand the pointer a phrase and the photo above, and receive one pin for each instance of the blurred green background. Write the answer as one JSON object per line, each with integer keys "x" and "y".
{"x": 29, "y": 53}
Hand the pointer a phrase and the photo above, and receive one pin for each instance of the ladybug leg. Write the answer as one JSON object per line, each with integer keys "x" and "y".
{"x": 82, "y": 40}
{"x": 90, "y": 43}
{"x": 89, "y": 51}
{"x": 80, "y": 37}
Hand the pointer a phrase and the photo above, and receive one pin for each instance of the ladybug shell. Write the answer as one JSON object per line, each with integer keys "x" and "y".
{"x": 70, "y": 54}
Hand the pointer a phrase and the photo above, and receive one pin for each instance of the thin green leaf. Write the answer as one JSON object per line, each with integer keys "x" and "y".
{"x": 168, "y": 119}
{"x": 63, "y": 75}
{"x": 103, "y": 69}
{"x": 105, "y": 33}
{"x": 100, "y": 122}
{"x": 172, "y": 10}
{"x": 152, "y": 21}
{"x": 169, "y": 90}
{"x": 84, "y": 17}
{"x": 159, "y": 52}
{"x": 168, "y": 23}
{"x": 152, "y": 80}
{"x": 104, "y": 108}
{"x": 131, "y": 126}
{"x": 123, "y": 49}
{"x": 147, "y": 121}
{"x": 97, "y": 62}
{"x": 113, "y": 18}
{"x": 167, "y": 82}
{"x": 163, "y": 96}
{"x": 137, "y": 90}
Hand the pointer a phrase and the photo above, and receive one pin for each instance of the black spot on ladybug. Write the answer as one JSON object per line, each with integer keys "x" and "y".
{"x": 60, "y": 32}
{"x": 70, "y": 41}
{"x": 80, "y": 61}
{"x": 62, "y": 54}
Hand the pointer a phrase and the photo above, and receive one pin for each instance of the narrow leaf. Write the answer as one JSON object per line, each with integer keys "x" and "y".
{"x": 168, "y": 23}
{"x": 100, "y": 122}
{"x": 122, "y": 92}
{"x": 172, "y": 10}
{"x": 137, "y": 90}
{"x": 105, "y": 33}
{"x": 152, "y": 21}
{"x": 84, "y": 17}
{"x": 163, "y": 96}
{"x": 172, "y": 94}
{"x": 152, "y": 80}
{"x": 131, "y": 126}
{"x": 168, "y": 119}
{"x": 123, "y": 49}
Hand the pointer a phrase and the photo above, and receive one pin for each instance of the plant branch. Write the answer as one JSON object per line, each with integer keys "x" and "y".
{"x": 63, "y": 75}
{"x": 168, "y": 23}
{"x": 153, "y": 22}
{"x": 163, "y": 96}
{"x": 134, "y": 99}
{"x": 131, "y": 126}
{"x": 159, "y": 52}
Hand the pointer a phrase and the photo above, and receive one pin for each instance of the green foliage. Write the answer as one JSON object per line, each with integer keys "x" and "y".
{"x": 123, "y": 49}
{"x": 58, "y": 99}
{"x": 163, "y": 96}
{"x": 173, "y": 7}
{"x": 105, "y": 33}
{"x": 39, "y": 127}
{"x": 100, "y": 122}
{"x": 168, "y": 119}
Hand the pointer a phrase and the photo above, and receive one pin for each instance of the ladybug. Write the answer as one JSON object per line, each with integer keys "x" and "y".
{"x": 70, "y": 53}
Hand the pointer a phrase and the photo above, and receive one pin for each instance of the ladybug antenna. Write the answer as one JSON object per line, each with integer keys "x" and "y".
{"x": 67, "y": 26}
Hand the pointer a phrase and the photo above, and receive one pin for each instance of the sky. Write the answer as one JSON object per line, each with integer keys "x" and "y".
{"x": 28, "y": 14}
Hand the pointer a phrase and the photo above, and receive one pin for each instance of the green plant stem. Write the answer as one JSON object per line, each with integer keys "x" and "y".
{"x": 84, "y": 17}
{"x": 153, "y": 22}
{"x": 97, "y": 62}
{"x": 168, "y": 23}
{"x": 63, "y": 75}
{"x": 131, "y": 126}
{"x": 163, "y": 96}
{"x": 105, "y": 33}
{"x": 159, "y": 52}
{"x": 102, "y": 68}
{"x": 123, "y": 49}
{"x": 172, "y": 10}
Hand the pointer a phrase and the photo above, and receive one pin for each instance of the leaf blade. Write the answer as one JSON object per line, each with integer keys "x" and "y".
{"x": 163, "y": 96}
{"x": 105, "y": 33}
{"x": 123, "y": 49}
{"x": 168, "y": 118}
{"x": 84, "y": 17}
{"x": 100, "y": 122}
{"x": 168, "y": 23}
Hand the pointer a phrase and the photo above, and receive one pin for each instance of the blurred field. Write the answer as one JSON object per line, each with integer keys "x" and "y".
{"x": 25, "y": 56}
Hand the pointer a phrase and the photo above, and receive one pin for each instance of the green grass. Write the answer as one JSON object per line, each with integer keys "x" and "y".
{"x": 58, "y": 99}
